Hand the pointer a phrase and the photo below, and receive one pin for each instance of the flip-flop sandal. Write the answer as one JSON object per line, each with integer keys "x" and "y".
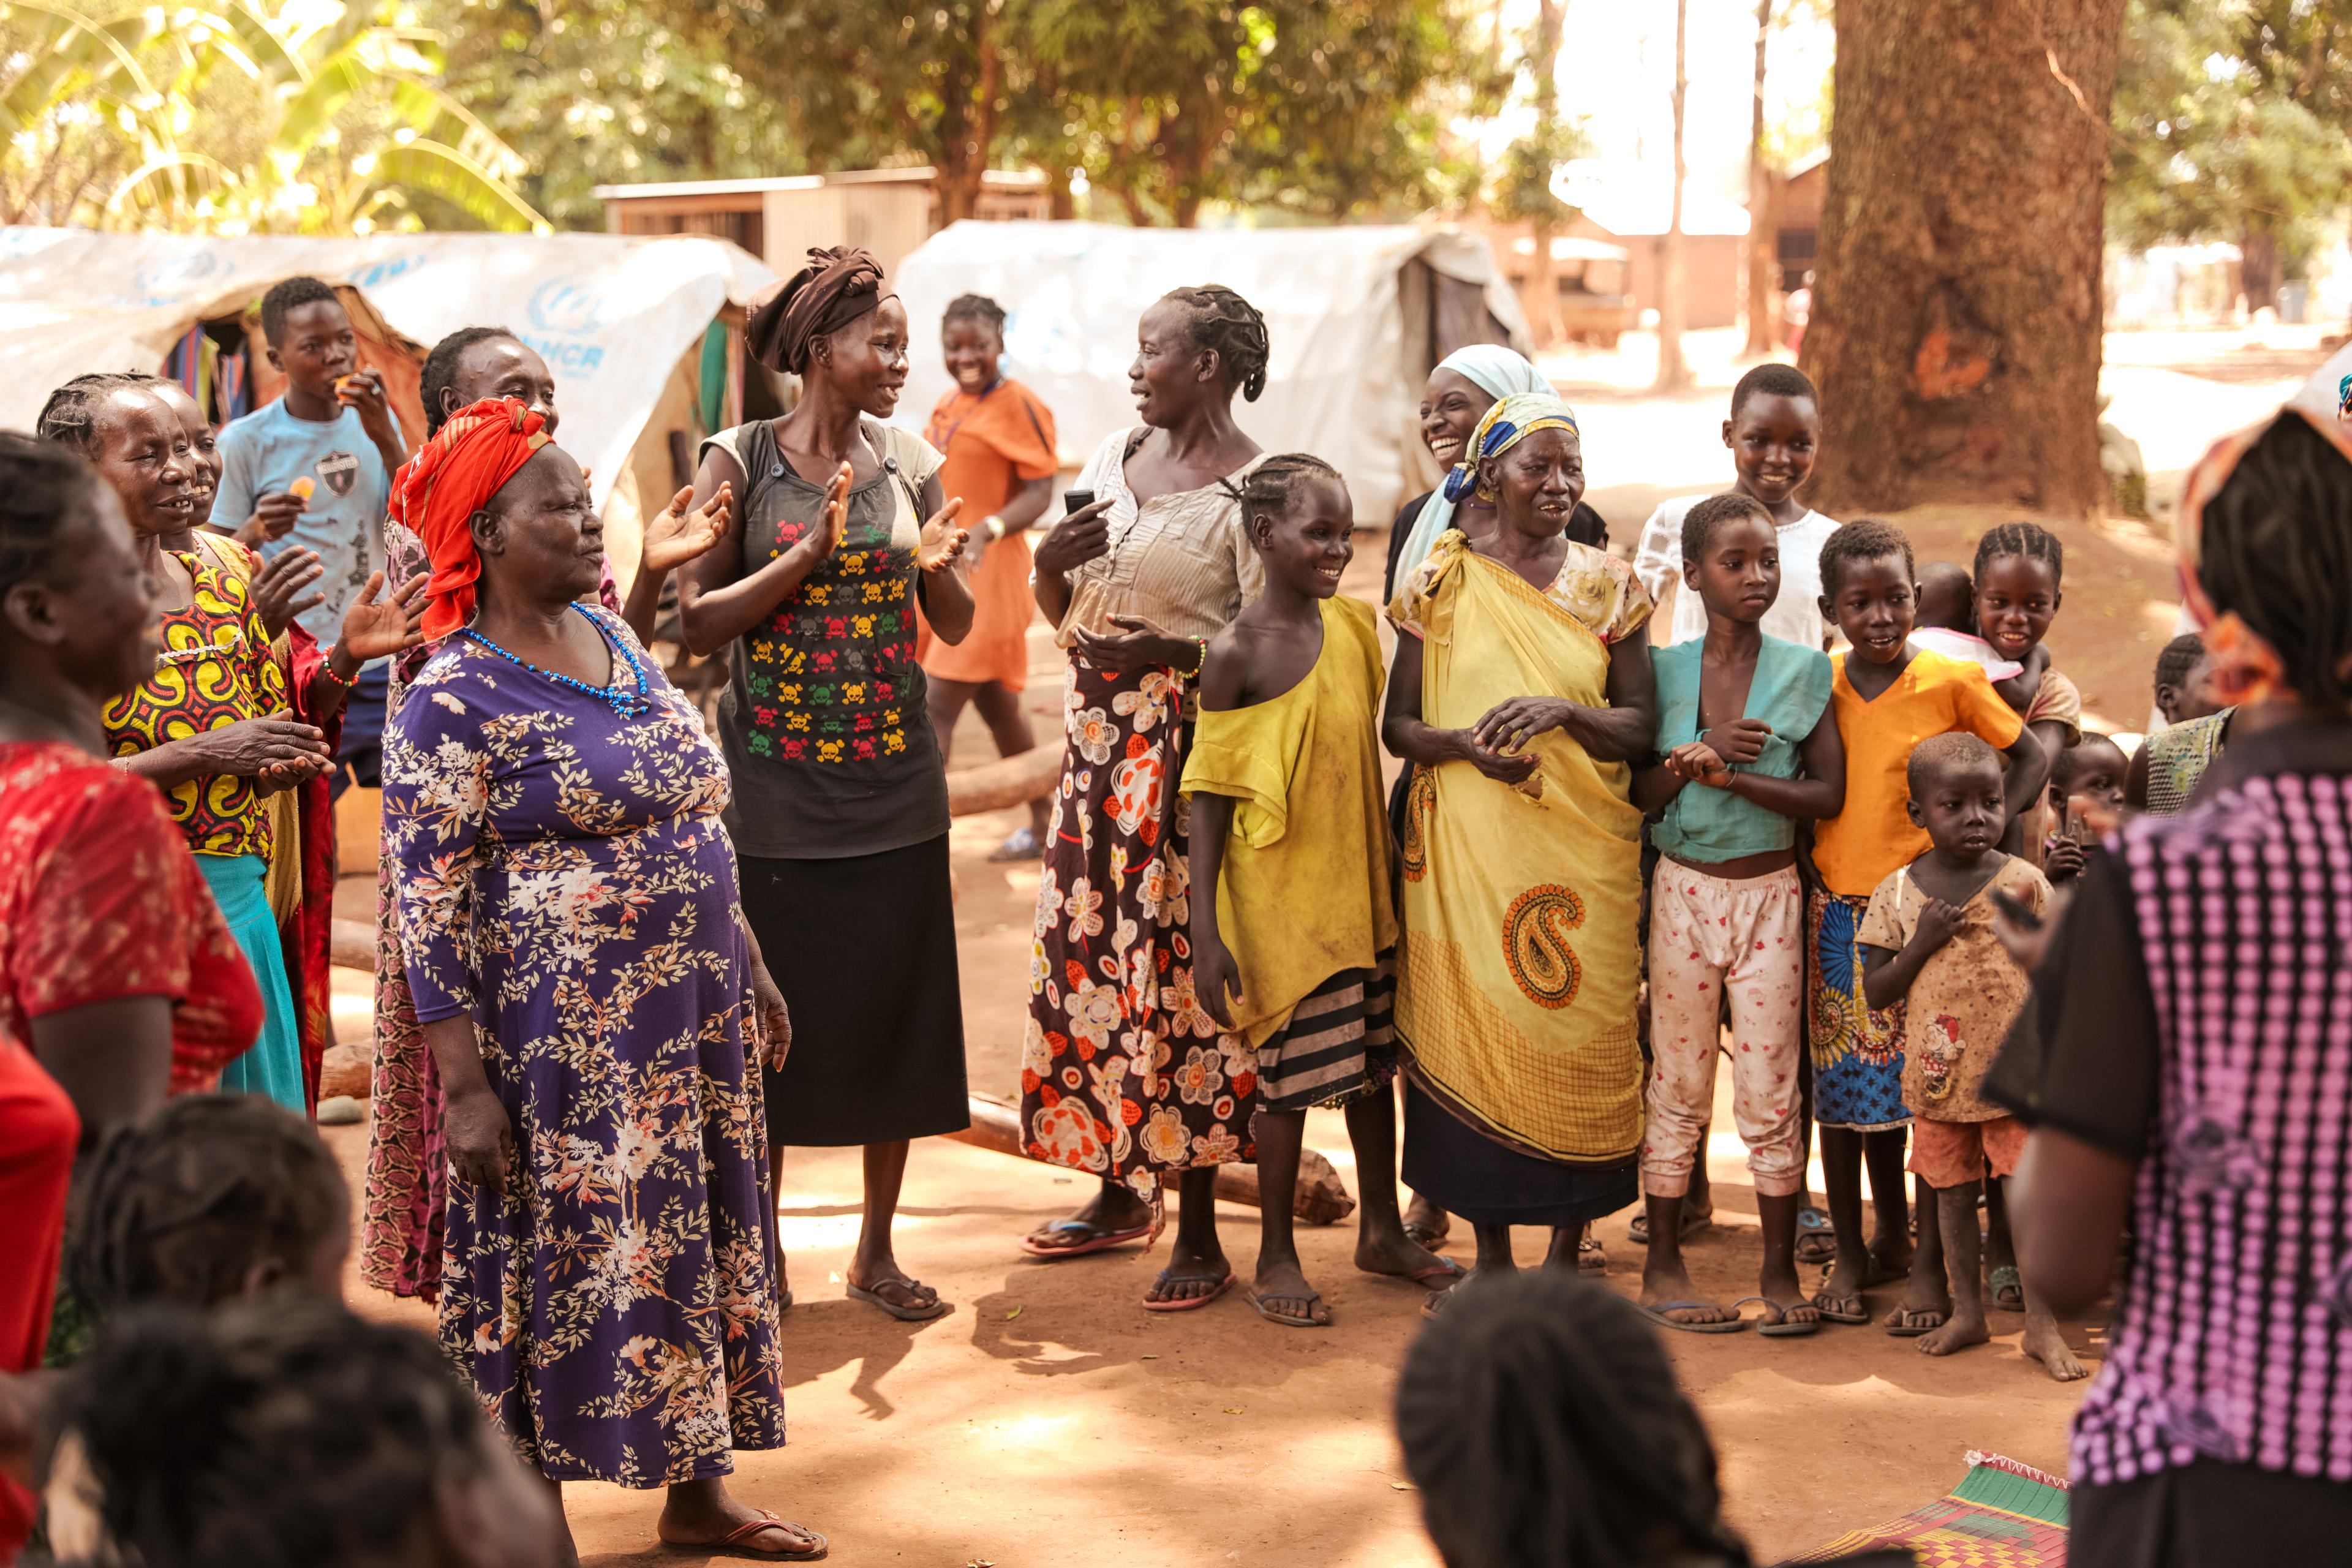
{"x": 1189, "y": 1303}
{"x": 1900, "y": 1329}
{"x": 1420, "y": 1235}
{"x": 1816, "y": 1239}
{"x": 1657, "y": 1315}
{"x": 732, "y": 1544}
{"x": 1101, "y": 1240}
{"x": 2008, "y": 1288}
{"x": 920, "y": 1313}
{"x": 1021, "y": 844}
{"x": 1857, "y": 1313}
{"x": 1266, "y": 1310}
{"x": 1590, "y": 1257}
{"x": 1446, "y": 1269}
{"x": 1775, "y": 1324}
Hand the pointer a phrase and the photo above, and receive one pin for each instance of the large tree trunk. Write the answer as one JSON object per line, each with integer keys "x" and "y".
{"x": 2258, "y": 267}
{"x": 1543, "y": 279}
{"x": 1763, "y": 234}
{"x": 1956, "y": 319}
{"x": 1674, "y": 369}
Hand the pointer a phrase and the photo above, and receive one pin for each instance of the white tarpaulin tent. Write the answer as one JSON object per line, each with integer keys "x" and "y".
{"x": 613, "y": 316}
{"x": 1357, "y": 317}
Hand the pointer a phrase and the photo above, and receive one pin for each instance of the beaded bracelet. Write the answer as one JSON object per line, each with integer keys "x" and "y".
{"x": 1200, "y": 657}
{"x": 328, "y": 664}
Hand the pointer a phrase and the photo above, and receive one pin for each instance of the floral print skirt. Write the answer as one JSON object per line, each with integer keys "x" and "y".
{"x": 1857, "y": 1053}
{"x": 1123, "y": 1074}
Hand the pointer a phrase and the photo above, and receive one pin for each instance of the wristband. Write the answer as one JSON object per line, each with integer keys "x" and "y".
{"x": 327, "y": 664}
{"x": 994, "y": 525}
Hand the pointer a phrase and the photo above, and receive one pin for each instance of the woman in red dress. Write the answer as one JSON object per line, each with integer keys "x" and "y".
{"x": 119, "y": 979}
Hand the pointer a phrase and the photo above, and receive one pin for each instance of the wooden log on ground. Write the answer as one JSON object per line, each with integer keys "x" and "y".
{"x": 1008, "y": 780}
{"x": 351, "y": 945}
{"x": 1321, "y": 1199}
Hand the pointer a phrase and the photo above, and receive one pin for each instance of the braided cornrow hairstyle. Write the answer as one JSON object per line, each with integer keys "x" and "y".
{"x": 1544, "y": 1428}
{"x": 1269, "y": 488}
{"x": 1865, "y": 539}
{"x": 181, "y": 1206}
{"x": 2030, "y": 540}
{"x": 70, "y": 415}
{"x": 2276, "y": 548}
{"x": 46, "y": 487}
{"x": 440, "y": 372}
{"x": 1700, "y": 522}
{"x": 277, "y": 1435}
{"x": 1229, "y": 326}
{"x": 977, "y": 308}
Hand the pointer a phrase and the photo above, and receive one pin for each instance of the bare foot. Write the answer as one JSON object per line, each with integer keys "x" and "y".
{"x": 1111, "y": 1210}
{"x": 1284, "y": 1293}
{"x": 1965, "y": 1327}
{"x": 1662, "y": 1283}
{"x": 1189, "y": 1275}
{"x": 2045, "y": 1345}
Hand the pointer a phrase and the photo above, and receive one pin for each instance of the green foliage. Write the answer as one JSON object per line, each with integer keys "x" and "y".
{"x": 1521, "y": 189}
{"x": 2231, "y": 120}
{"x": 302, "y": 118}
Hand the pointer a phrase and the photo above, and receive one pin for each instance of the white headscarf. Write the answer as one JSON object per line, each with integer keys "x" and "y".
{"x": 1495, "y": 369}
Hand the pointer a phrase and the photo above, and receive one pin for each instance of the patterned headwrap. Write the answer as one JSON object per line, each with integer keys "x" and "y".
{"x": 452, "y": 477}
{"x": 834, "y": 288}
{"x": 1507, "y": 424}
{"x": 1500, "y": 373}
{"x": 2245, "y": 669}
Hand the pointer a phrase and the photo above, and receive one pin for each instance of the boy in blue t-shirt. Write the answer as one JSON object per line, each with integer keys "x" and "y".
{"x": 314, "y": 470}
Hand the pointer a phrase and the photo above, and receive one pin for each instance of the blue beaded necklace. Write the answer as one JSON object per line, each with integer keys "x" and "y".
{"x": 627, "y": 698}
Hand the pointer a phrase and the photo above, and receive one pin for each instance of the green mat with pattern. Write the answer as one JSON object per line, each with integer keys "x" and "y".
{"x": 2003, "y": 1514}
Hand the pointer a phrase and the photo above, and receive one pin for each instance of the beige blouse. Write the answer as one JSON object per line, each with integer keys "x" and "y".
{"x": 1181, "y": 561}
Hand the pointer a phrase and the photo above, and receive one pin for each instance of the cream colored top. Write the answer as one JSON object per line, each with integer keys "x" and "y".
{"x": 1181, "y": 561}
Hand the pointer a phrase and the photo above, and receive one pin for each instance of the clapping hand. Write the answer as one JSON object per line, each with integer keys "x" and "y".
{"x": 274, "y": 588}
{"x": 373, "y": 630}
{"x": 686, "y": 530}
{"x": 942, "y": 541}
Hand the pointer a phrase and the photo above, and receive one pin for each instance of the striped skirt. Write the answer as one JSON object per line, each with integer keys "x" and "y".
{"x": 1341, "y": 1042}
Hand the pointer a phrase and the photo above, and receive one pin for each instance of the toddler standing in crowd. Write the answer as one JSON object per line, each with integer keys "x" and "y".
{"x": 1929, "y": 946}
{"x": 1887, "y": 699}
{"x": 1774, "y": 433}
{"x": 1294, "y": 933}
{"x": 1741, "y": 716}
{"x": 2173, "y": 761}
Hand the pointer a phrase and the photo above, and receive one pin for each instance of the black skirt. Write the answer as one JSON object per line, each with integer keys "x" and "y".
{"x": 864, "y": 950}
{"x": 1464, "y": 1171}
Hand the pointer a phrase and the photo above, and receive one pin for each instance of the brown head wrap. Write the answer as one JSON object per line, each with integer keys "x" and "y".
{"x": 834, "y": 290}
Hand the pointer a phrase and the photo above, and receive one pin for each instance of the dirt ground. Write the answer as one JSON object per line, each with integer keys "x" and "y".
{"x": 1049, "y": 1422}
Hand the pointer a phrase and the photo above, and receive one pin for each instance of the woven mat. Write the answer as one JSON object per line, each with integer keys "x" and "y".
{"x": 2003, "y": 1514}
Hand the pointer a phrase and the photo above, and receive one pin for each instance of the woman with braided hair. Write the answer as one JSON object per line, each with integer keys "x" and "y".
{"x": 1544, "y": 1428}
{"x": 288, "y": 1434}
{"x": 1124, "y": 1075}
{"x": 997, "y": 439}
{"x": 2194, "y": 1035}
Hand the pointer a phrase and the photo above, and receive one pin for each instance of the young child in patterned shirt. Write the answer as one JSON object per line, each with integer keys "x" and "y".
{"x": 1929, "y": 943}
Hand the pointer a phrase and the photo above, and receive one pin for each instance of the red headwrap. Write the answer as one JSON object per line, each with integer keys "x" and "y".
{"x": 452, "y": 477}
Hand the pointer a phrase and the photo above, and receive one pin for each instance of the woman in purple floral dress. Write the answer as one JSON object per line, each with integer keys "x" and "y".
{"x": 568, "y": 916}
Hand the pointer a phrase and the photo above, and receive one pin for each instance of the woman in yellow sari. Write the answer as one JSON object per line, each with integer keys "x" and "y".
{"x": 1521, "y": 695}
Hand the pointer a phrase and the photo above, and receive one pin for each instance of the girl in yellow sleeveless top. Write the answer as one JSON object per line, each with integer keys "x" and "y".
{"x": 1294, "y": 934}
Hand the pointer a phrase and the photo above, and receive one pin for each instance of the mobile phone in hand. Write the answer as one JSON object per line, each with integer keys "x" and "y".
{"x": 1077, "y": 500}
{"x": 2023, "y": 918}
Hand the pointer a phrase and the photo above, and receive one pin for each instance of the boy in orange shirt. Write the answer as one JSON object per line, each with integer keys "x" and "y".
{"x": 1888, "y": 697}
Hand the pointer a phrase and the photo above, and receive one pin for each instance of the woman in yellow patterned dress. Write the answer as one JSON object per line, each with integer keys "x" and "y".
{"x": 211, "y": 728}
{"x": 1520, "y": 696}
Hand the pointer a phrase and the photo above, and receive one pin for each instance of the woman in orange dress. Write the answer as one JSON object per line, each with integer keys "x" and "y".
{"x": 999, "y": 443}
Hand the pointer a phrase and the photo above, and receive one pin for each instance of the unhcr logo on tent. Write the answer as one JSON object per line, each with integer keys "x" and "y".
{"x": 561, "y": 312}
